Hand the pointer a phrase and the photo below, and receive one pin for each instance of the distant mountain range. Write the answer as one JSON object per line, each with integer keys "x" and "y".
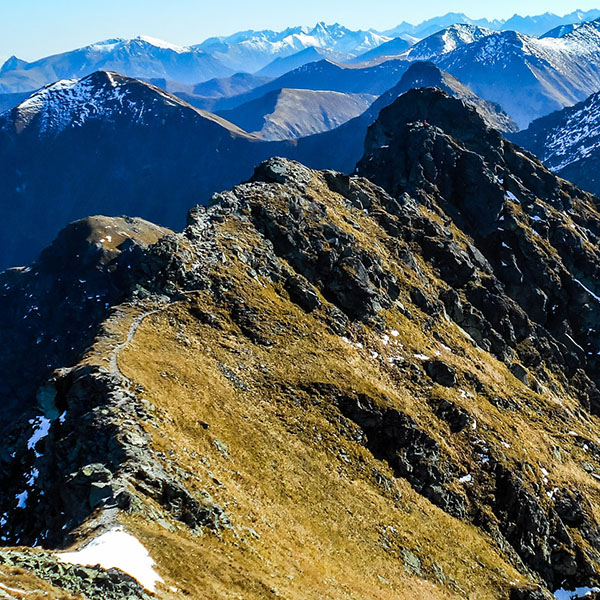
{"x": 142, "y": 57}
{"x": 393, "y": 48}
{"x": 112, "y": 145}
{"x": 531, "y": 25}
{"x": 72, "y": 148}
{"x": 282, "y": 65}
{"x": 530, "y": 77}
{"x": 254, "y": 50}
{"x": 348, "y": 139}
{"x": 267, "y": 52}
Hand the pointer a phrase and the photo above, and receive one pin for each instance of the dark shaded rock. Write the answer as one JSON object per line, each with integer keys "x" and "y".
{"x": 456, "y": 417}
{"x": 206, "y": 318}
{"x": 570, "y": 507}
{"x": 441, "y": 372}
{"x": 301, "y": 294}
{"x": 529, "y": 594}
{"x": 248, "y": 320}
{"x": 520, "y": 373}
{"x": 409, "y": 450}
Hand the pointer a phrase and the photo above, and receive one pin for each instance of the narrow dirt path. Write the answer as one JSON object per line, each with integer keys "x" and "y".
{"x": 114, "y": 358}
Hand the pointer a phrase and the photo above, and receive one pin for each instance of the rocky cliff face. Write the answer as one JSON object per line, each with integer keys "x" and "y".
{"x": 326, "y": 380}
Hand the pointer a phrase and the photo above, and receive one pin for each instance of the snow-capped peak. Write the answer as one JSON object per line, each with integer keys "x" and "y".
{"x": 107, "y": 46}
{"x": 66, "y": 102}
{"x": 253, "y": 50}
{"x": 102, "y": 95}
{"x": 162, "y": 44}
{"x": 446, "y": 41}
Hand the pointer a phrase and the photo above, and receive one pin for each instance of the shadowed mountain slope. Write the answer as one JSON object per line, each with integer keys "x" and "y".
{"x": 113, "y": 145}
{"x": 568, "y": 142}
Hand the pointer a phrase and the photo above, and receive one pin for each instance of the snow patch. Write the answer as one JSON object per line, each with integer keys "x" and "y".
{"x": 120, "y": 550}
{"x": 41, "y": 428}
{"x": 594, "y": 296}
{"x": 22, "y": 499}
{"x": 162, "y": 44}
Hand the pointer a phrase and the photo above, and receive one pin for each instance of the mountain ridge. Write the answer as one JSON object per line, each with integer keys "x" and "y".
{"x": 549, "y": 71}
{"x": 247, "y": 51}
{"x": 290, "y": 113}
{"x": 524, "y": 24}
{"x": 138, "y": 57}
{"x": 315, "y": 354}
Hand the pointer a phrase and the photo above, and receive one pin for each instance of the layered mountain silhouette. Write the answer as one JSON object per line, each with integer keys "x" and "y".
{"x": 286, "y": 114}
{"x": 348, "y": 139}
{"x": 143, "y": 57}
{"x": 532, "y": 25}
{"x": 320, "y": 384}
{"x": 502, "y": 62}
{"x": 390, "y": 49}
{"x": 281, "y": 66}
{"x": 123, "y": 146}
{"x": 325, "y": 75}
{"x": 115, "y": 145}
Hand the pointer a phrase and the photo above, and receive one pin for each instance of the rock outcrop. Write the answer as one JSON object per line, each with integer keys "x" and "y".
{"x": 531, "y": 266}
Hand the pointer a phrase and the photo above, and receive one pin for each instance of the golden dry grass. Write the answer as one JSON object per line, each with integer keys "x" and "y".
{"x": 311, "y": 520}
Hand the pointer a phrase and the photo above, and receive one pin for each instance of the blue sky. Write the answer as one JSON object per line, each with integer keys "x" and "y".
{"x": 31, "y": 29}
